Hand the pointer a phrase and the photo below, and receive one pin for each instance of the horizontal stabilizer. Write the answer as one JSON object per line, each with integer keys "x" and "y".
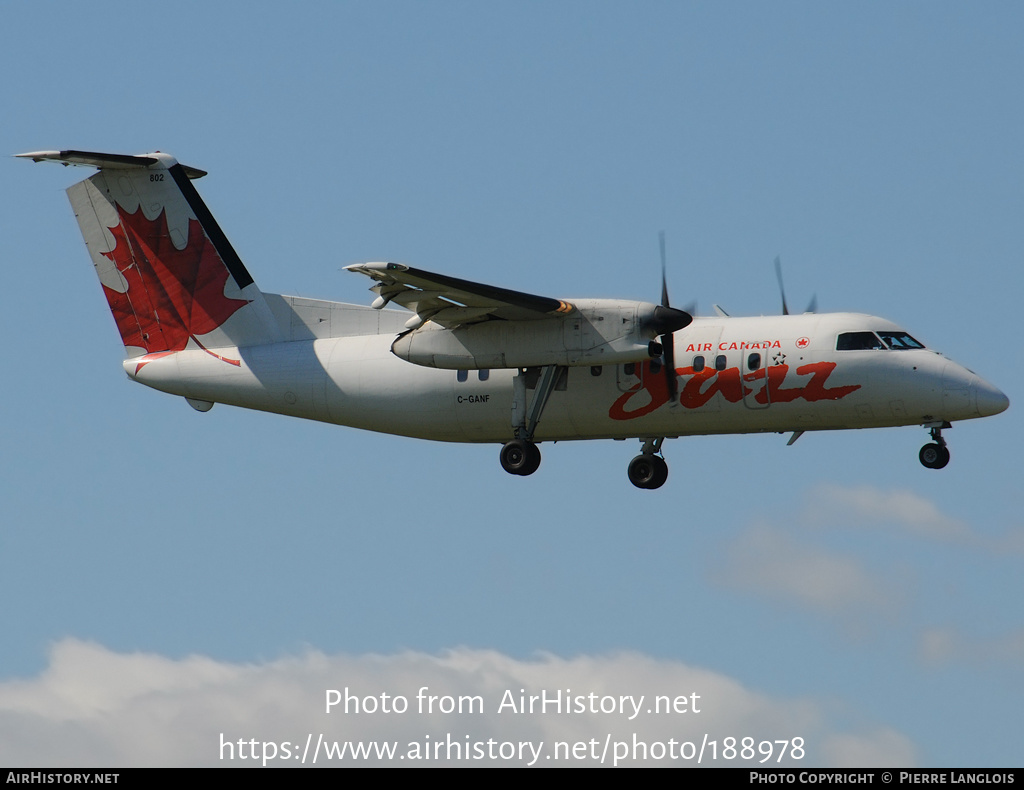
{"x": 112, "y": 161}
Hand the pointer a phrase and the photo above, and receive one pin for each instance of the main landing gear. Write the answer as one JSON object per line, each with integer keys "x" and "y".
{"x": 936, "y": 454}
{"x": 648, "y": 470}
{"x": 521, "y": 456}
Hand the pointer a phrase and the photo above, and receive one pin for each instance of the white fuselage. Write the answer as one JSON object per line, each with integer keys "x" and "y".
{"x": 734, "y": 375}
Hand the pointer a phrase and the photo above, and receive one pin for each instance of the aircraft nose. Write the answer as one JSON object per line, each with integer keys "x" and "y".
{"x": 991, "y": 400}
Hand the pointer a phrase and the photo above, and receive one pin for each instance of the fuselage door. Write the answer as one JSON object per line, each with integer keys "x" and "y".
{"x": 755, "y": 375}
{"x": 697, "y": 353}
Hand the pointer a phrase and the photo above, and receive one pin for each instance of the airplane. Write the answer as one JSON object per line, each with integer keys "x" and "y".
{"x": 478, "y": 363}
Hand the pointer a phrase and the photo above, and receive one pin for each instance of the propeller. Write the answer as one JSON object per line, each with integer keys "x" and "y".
{"x": 670, "y": 320}
{"x": 782, "y": 290}
{"x": 812, "y": 306}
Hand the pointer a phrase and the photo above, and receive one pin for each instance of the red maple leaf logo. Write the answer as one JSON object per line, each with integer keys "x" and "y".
{"x": 173, "y": 295}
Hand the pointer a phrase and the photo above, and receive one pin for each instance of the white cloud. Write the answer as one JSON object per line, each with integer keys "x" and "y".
{"x": 860, "y": 750}
{"x": 865, "y": 505}
{"x": 94, "y": 707}
{"x": 784, "y": 561}
{"x": 790, "y": 564}
{"x": 945, "y": 645}
{"x": 772, "y": 561}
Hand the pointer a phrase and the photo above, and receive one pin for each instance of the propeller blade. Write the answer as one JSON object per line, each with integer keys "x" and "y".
{"x": 664, "y": 280}
{"x": 812, "y": 306}
{"x": 782, "y": 290}
{"x": 669, "y": 344}
{"x": 671, "y": 320}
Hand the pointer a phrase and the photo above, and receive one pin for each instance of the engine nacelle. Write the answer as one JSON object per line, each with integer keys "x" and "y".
{"x": 597, "y": 332}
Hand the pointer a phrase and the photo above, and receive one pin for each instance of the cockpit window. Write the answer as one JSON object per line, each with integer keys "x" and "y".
{"x": 899, "y": 341}
{"x": 858, "y": 341}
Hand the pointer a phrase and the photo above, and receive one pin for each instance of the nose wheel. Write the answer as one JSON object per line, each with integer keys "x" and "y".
{"x": 647, "y": 470}
{"x": 936, "y": 454}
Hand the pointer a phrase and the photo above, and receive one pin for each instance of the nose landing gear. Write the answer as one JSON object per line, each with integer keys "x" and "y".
{"x": 936, "y": 454}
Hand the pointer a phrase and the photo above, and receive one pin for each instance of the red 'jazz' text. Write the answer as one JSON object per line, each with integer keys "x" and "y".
{"x": 651, "y": 390}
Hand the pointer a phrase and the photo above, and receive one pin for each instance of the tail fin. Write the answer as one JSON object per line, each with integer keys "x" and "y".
{"x": 169, "y": 273}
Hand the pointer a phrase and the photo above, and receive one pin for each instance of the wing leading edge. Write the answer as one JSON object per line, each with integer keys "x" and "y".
{"x": 452, "y": 302}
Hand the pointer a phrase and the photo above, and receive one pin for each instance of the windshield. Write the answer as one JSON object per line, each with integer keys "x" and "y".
{"x": 871, "y": 341}
{"x": 858, "y": 341}
{"x": 899, "y": 341}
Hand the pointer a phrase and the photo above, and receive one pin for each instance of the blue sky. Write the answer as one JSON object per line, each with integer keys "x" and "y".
{"x": 834, "y": 586}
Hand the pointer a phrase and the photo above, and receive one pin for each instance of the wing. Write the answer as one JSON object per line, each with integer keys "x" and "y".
{"x": 452, "y": 302}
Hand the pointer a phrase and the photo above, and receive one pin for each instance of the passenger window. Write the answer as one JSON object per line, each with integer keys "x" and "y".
{"x": 754, "y": 362}
{"x": 698, "y": 364}
{"x": 461, "y": 375}
{"x": 483, "y": 374}
{"x": 858, "y": 341}
{"x": 720, "y": 362}
{"x": 655, "y": 366}
{"x": 595, "y": 370}
{"x": 629, "y": 368}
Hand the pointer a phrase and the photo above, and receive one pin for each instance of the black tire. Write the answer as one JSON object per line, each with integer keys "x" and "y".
{"x": 647, "y": 471}
{"x": 934, "y": 456}
{"x": 533, "y": 453}
{"x": 520, "y": 457}
{"x": 661, "y": 474}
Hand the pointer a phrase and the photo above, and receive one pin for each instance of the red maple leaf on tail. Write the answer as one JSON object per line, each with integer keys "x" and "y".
{"x": 173, "y": 295}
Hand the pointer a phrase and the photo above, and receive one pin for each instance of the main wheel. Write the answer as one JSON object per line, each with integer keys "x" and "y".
{"x": 533, "y": 459}
{"x": 934, "y": 456}
{"x": 520, "y": 457}
{"x": 648, "y": 471}
{"x": 661, "y": 473}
